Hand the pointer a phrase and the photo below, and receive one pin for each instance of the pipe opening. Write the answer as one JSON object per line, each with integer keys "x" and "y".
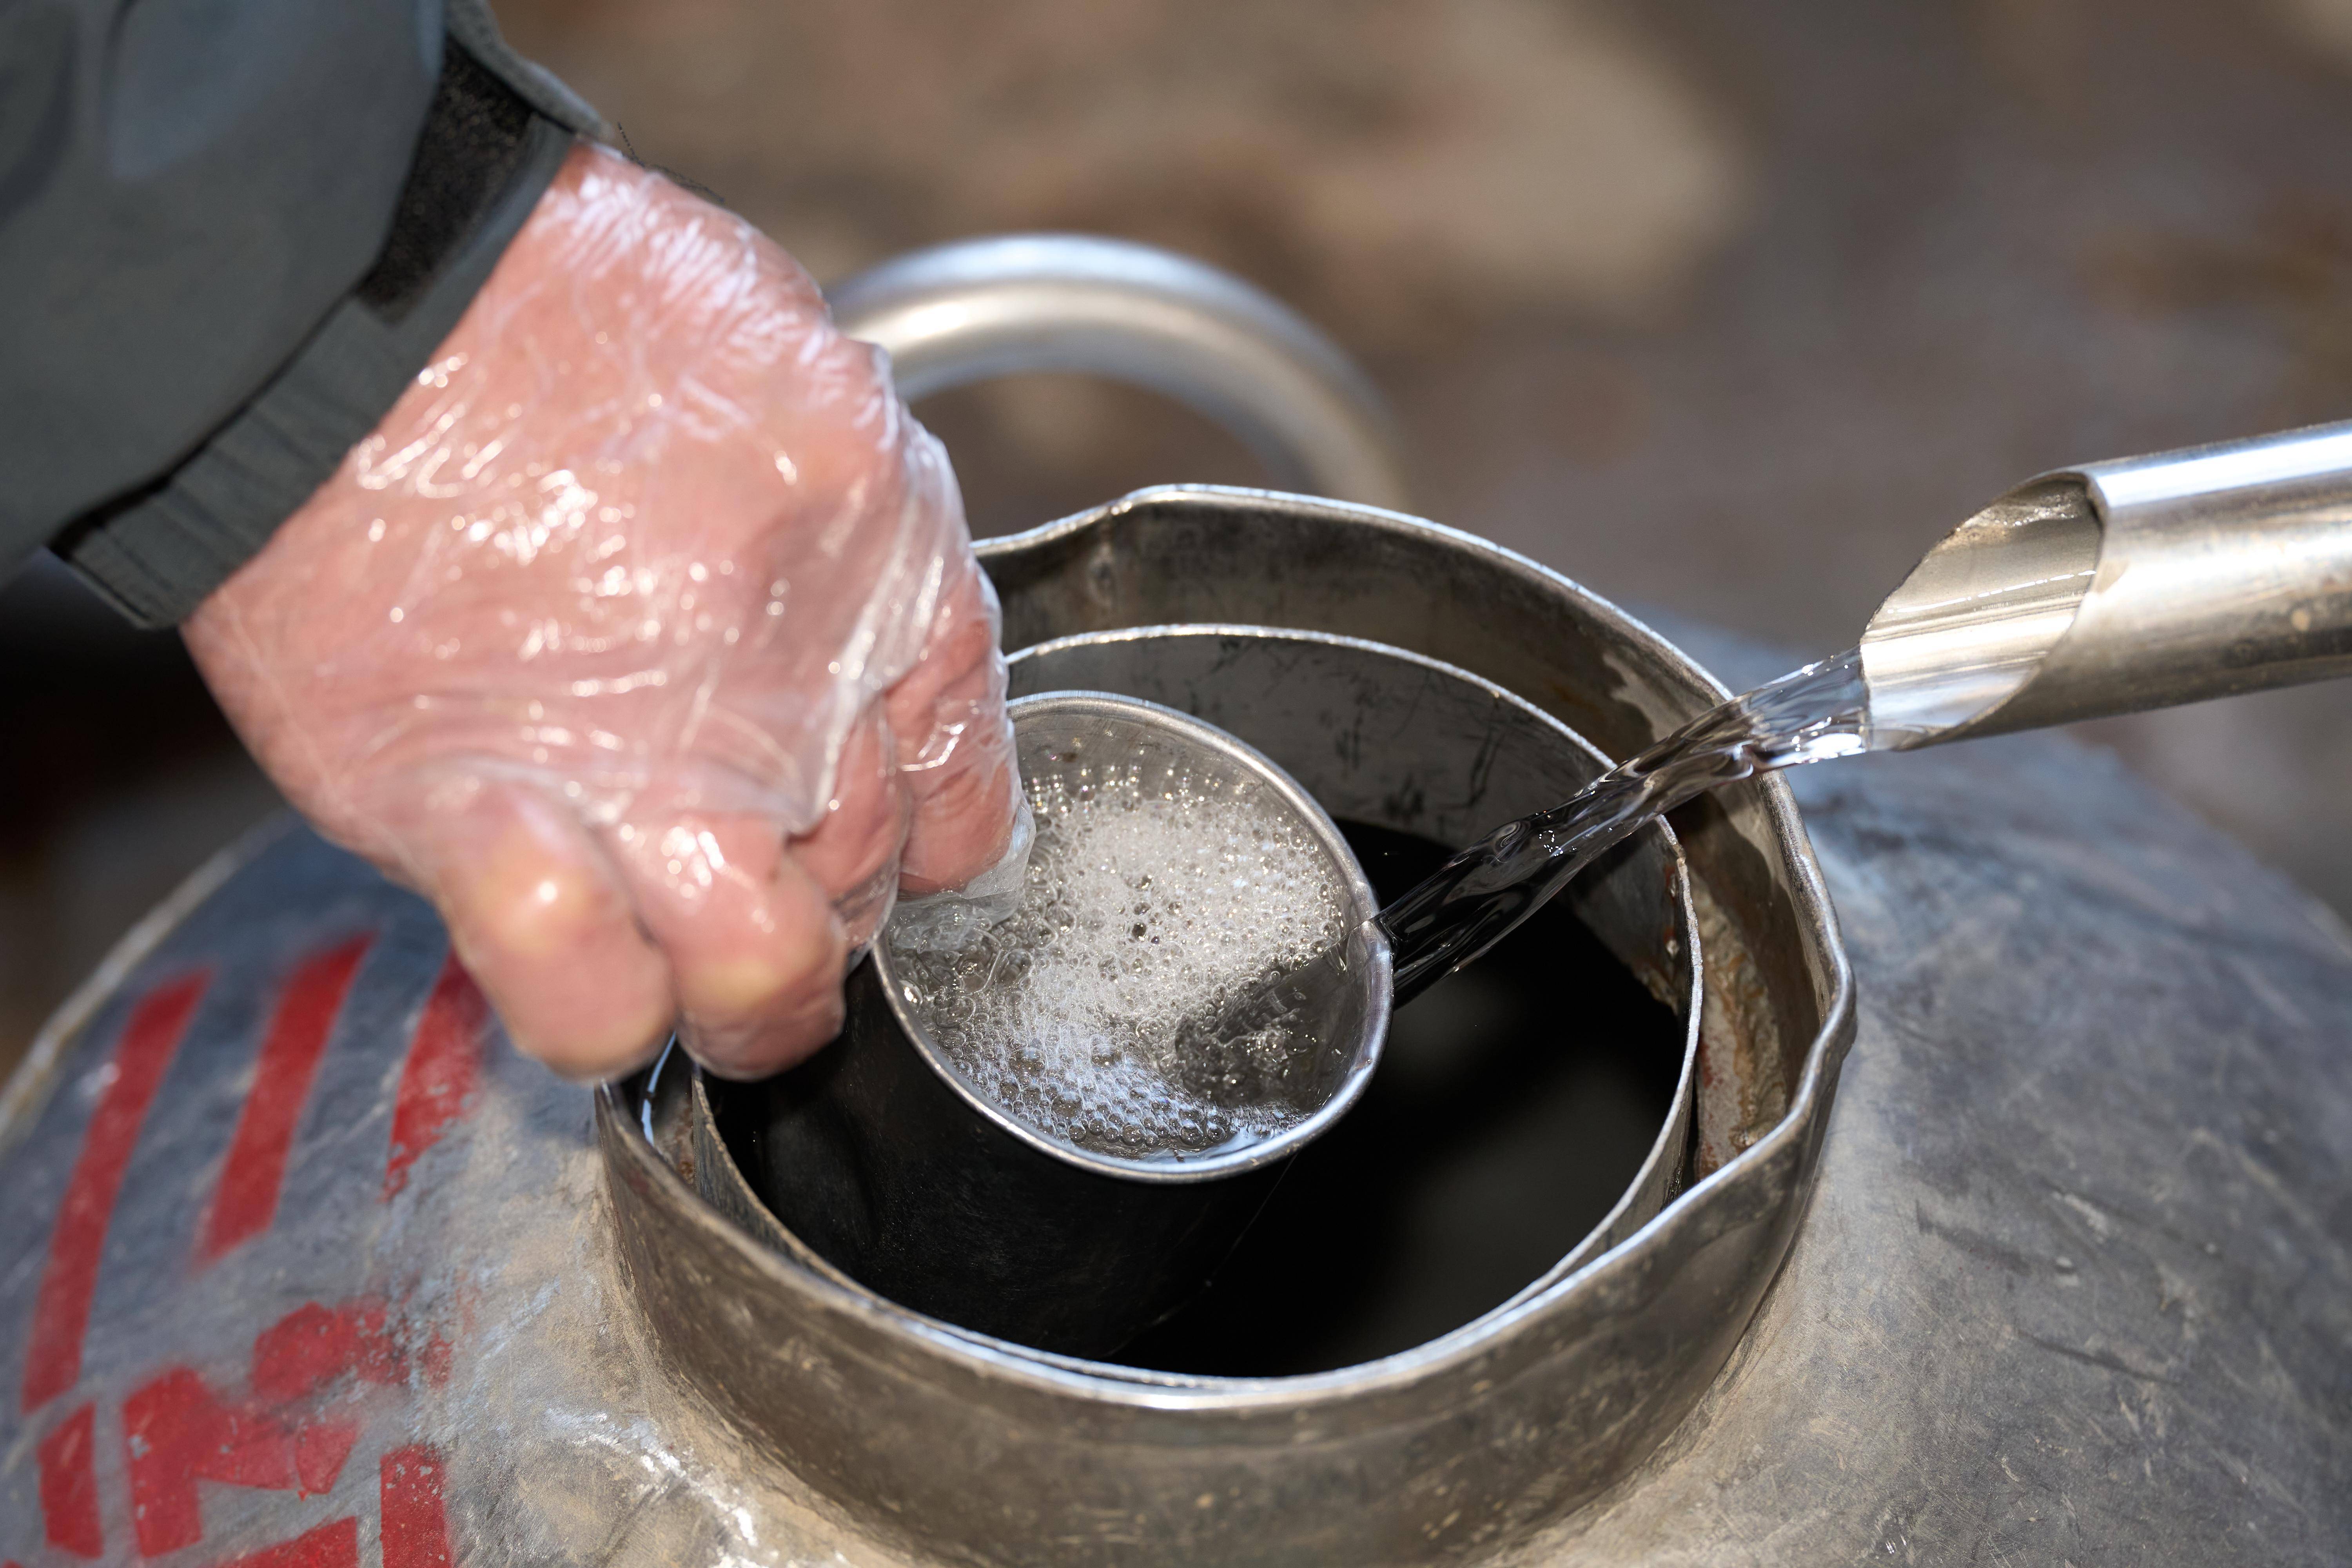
{"x": 1980, "y": 615}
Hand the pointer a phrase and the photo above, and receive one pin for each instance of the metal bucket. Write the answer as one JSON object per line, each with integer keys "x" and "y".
{"x": 1376, "y": 736}
{"x": 972, "y": 1448}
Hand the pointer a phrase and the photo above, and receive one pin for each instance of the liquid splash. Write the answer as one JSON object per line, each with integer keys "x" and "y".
{"x": 1154, "y": 890}
{"x": 1482, "y": 894}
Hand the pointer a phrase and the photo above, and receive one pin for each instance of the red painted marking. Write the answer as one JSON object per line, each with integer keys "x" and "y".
{"x": 312, "y": 1345}
{"x": 319, "y": 1451}
{"x": 444, "y": 1059}
{"x": 246, "y": 1199}
{"x": 335, "y": 1545}
{"x": 62, "y": 1313}
{"x": 69, "y": 1486}
{"x": 175, "y": 1432}
{"x": 416, "y": 1524}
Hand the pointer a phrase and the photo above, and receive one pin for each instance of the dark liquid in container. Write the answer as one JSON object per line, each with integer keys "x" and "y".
{"x": 1513, "y": 1106}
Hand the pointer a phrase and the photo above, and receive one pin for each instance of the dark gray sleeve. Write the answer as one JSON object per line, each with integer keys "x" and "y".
{"x": 231, "y": 232}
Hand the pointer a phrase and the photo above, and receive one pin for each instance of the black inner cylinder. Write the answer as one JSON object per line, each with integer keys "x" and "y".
{"x": 1513, "y": 1106}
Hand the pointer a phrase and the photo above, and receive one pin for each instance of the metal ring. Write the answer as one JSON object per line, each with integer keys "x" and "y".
{"x": 976, "y": 309}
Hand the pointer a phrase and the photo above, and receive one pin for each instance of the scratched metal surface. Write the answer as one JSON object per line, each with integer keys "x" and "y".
{"x": 2075, "y": 1284}
{"x": 353, "y": 1309}
{"x": 2076, "y": 1281}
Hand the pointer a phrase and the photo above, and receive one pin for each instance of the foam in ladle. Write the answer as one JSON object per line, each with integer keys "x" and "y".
{"x": 1156, "y": 891}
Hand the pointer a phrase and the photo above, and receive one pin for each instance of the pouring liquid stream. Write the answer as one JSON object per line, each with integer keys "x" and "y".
{"x": 1476, "y": 898}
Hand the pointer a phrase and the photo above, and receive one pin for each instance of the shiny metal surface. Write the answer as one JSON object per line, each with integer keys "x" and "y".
{"x": 1385, "y": 737}
{"x": 972, "y": 310}
{"x": 2074, "y": 1283}
{"x": 886, "y": 1162}
{"x": 1458, "y": 1447}
{"x": 1049, "y": 718}
{"x": 1423, "y": 748}
{"x": 1206, "y": 554}
{"x": 2117, "y": 586}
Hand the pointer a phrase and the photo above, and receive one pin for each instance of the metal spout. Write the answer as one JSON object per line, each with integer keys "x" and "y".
{"x": 2117, "y": 586}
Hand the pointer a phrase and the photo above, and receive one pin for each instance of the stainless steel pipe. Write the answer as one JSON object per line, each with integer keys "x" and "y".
{"x": 977, "y": 309}
{"x": 2117, "y": 586}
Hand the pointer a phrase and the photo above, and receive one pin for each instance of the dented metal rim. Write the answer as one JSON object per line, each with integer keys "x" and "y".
{"x": 1447, "y": 1354}
{"x": 28, "y": 1086}
{"x": 1667, "y": 1150}
{"x": 1140, "y": 1388}
{"x": 890, "y": 1427}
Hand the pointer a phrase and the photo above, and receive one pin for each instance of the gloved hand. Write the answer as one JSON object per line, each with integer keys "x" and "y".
{"x": 644, "y": 636}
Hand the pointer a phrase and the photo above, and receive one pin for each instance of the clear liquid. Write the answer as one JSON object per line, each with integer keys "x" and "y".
{"x": 1472, "y": 902}
{"x": 1154, "y": 893}
{"x": 1180, "y": 947}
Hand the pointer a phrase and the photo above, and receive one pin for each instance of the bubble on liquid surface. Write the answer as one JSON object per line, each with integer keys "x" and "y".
{"x": 1156, "y": 892}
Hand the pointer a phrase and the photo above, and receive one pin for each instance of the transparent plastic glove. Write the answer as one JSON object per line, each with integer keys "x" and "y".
{"x": 644, "y": 636}
{"x": 951, "y": 920}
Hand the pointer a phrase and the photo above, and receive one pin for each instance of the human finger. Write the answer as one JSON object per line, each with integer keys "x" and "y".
{"x": 754, "y": 946}
{"x": 537, "y": 917}
{"x": 955, "y": 743}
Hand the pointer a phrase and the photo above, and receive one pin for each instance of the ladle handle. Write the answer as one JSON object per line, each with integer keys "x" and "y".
{"x": 977, "y": 309}
{"x": 2117, "y": 586}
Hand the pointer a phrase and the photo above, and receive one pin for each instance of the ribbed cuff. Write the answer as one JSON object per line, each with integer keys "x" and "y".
{"x": 159, "y": 555}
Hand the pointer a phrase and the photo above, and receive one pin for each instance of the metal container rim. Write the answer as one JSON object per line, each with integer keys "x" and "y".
{"x": 1460, "y": 1347}
{"x": 1693, "y": 1001}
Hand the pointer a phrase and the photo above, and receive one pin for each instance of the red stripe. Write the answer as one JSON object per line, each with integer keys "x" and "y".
{"x": 335, "y": 1545}
{"x": 416, "y": 1525}
{"x": 69, "y": 1486}
{"x": 247, "y": 1198}
{"x": 312, "y": 1345}
{"x": 53, "y": 1357}
{"x": 444, "y": 1059}
{"x": 175, "y": 1432}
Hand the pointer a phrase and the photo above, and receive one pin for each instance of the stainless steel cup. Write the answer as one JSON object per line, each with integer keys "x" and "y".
{"x": 881, "y": 1157}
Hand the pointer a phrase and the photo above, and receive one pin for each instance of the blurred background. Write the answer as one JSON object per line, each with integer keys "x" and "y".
{"x": 1727, "y": 311}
